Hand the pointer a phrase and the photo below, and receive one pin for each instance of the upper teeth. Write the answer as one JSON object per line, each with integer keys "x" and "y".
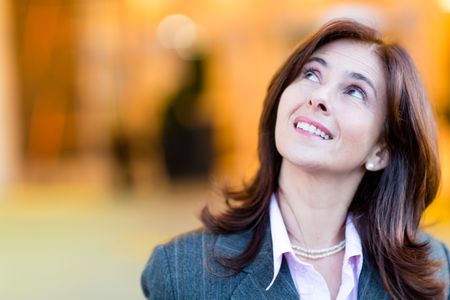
{"x": 312, "y": 129}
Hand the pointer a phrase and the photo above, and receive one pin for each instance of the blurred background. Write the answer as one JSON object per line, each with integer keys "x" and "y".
{"x": 120, "y": 118}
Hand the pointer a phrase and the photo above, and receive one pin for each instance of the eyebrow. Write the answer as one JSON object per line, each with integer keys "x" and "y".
{"x": 360, "y": 76}
{"x": 319, "y": 60}
{"x": 354, "y": 75}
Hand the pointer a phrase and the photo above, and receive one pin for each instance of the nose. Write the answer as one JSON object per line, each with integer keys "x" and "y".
{"x": 319, "y": 100}
{"x": 320, "y": 105}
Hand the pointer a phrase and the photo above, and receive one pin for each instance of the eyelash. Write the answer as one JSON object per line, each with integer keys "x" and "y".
{"x": 359, "y": 89}
{"x": 309, "y": 70}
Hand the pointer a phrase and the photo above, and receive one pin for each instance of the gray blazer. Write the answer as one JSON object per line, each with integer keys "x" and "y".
{"x": 186, "y": 269}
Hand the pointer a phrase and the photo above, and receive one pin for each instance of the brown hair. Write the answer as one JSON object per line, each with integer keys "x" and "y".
{"x": 388, "y": 204}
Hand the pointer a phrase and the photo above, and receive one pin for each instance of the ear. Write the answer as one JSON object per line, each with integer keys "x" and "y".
{"x": 378, "y": 159}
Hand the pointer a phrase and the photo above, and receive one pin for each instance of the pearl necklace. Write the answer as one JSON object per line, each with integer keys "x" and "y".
{"x": 319, "y": 253}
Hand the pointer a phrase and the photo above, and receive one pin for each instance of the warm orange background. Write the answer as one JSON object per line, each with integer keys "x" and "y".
{"x": 75, "y": 73}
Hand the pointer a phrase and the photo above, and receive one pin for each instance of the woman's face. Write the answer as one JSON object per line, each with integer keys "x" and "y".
{"x": 330, "y": 118}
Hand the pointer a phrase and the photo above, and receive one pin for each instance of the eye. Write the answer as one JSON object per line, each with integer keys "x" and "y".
{"x": 357, "y": 92}
{"x": 311, "y": 74}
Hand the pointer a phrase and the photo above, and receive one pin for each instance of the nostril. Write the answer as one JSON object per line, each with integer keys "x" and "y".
{"x": 322, "y": 107}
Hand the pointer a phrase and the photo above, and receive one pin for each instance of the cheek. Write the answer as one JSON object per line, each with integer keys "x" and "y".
{"x": 360, "y": 130}
{"x": 286, "y": 106}
{"x": 291, "y": 98}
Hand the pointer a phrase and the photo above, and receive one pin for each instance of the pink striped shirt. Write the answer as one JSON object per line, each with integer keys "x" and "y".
{"x": 309, "y": 283}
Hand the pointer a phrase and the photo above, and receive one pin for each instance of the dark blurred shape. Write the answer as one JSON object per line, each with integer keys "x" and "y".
{"x": 446, "y": 111}
{"x": 186, "y": 139}
{"x": 121, "y": 145}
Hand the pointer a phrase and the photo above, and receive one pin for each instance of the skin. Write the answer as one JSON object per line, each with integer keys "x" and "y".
{"x": 342, "y": 89}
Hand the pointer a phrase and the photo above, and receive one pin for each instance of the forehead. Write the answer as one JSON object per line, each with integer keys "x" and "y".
{"x": 353, "y": 56}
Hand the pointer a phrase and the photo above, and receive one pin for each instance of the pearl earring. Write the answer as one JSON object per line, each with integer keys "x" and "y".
{"x": 370, "y": 166}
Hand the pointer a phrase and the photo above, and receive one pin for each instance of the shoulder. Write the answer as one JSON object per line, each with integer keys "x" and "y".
{"x": 183, "y": 266}
{"x": 195, "y": 244}
{"x": 185, "y": 244}
{"x": 168, "y": 260}
{"x": 438, "y": 251}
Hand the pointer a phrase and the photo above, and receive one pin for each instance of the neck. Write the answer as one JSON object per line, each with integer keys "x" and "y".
{"x": 314, "y": 205}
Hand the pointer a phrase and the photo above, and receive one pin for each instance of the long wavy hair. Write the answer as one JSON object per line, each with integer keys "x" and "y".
{"x": 388, "y": 204}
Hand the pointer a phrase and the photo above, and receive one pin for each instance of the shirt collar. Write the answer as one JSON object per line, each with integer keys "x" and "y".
{"x": 353, "y": 247}
{"x": 280, "y": 239}
{"x": 281, "y": 243}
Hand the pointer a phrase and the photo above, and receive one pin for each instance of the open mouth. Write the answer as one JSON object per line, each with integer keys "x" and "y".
{"x": 313, "y": 130}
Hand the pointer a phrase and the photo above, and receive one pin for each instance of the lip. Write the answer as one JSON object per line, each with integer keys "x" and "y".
{"x": 315, "y": 123}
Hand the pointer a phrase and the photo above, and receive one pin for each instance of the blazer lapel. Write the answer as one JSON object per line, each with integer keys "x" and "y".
{"x": 254, "y": 285}
{"x": 257, "y": 276}
{"x": 370, "y": 285}
{"x": 259, "y": 273}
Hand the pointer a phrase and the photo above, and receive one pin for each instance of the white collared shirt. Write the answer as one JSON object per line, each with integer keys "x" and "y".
{"x": 309, "y": 283}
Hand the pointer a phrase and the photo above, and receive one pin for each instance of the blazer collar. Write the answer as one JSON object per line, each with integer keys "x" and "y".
{"x": 259, "y": 273}
{"x": 370, "y": 285}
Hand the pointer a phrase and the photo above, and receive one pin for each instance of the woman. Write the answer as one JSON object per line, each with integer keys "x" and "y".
{"x": 348, "y": 163}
